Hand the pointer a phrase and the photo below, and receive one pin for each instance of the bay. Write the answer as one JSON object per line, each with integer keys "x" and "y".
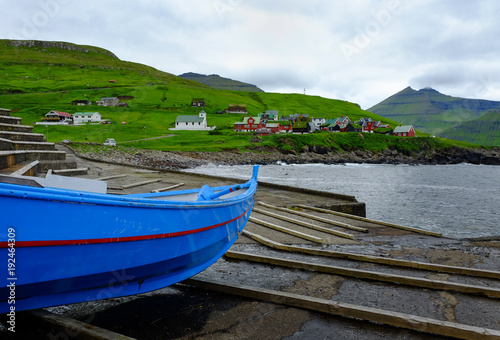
{"x": 458, "y": 201}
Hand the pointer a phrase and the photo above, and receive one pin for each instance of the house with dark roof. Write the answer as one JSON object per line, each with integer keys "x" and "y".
{"x": 198, "y": 102}
{"x": 240, "y": 108}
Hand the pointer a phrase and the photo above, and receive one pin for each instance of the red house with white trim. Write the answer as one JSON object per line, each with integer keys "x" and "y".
{"x": 404, "y": 131}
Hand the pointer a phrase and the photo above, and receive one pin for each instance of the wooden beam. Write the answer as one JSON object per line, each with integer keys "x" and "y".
{"x": 287, "y": 230}
{"x": 74, "y": 329}
{"x": 376, "y": 259}
{"x": 140, "y": 183}
{"x": 168, "y": 188}
{"x": 402, "y": 320}
{"x": 368, "y": 275}
{"x": 317, "y": 218}
{"x": 110, "y": 177}
{"x": 304, "y": 224}
{"x": 387, "y": 224}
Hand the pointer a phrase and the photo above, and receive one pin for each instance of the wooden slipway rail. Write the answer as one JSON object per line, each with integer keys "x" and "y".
{"x": 367, "y": 275}
{"x": 387, "y": 224}
{"x": 402, "y": 320}
{"x": 375, "y": 259}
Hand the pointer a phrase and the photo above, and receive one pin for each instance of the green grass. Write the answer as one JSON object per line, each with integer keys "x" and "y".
{"x": 38, "y": 79}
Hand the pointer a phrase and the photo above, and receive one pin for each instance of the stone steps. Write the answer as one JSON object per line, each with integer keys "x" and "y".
{"x": 23, "y": 136}
{"x": 19, "y": 145}
{"x": 16, "y": 128}
{"x": 10, "y": 120}
{"x": 21, "y": 149}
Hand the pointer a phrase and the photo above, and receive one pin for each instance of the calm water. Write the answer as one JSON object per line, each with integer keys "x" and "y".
{"x": 456, "y": 200}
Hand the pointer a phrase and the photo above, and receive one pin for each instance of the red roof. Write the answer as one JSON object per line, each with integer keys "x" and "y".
{"x": 63, "y": 113}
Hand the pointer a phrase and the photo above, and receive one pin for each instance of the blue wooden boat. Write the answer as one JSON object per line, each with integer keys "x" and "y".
{"x": 61, "y": 246}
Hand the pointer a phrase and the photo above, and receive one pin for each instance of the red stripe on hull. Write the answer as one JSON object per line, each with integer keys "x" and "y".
{"x": 20, "y": 244}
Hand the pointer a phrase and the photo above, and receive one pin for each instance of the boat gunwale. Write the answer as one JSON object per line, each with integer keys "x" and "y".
{"x": 84, "y": 197}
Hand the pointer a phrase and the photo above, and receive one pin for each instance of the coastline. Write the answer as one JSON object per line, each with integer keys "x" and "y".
{"x": 174, "y": 160}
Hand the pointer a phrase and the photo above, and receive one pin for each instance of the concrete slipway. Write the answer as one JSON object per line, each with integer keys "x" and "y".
{"x": 252, "y": 293}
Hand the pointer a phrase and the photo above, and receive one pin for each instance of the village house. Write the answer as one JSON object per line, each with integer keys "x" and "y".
{"x": 108, "y": 101}
{"x": 285, "y": 126}
{"x": 350, "y": 127}
{"x": 241, "y": 108}
{"x": 248, "y": 124}
{"x": 301, "y": 124}
{"x": 198, "y": 102}
{"x": 86, "y": 117}
{"x": 81, "y": 102}
{"x": 370, "y": 126}
{"x": 58, "y": 116}
{"x": 404, "y": 131}
{"x": 269, "y": 115}
{"x": 263, "y": 132}
{"x": 192, "y": 122}
{"x": 316, "y": 123}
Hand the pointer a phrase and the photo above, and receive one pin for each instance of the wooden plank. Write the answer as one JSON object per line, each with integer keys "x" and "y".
{"x": 287, "y": 230}
{"x": 317, "y": 218}
{"x": 110, "y": 177}
{"x": 407, "y": 321}
{"x": 304, "y": 224}
{"x": 140, "y": 183}
{"x": 74, "y": 329}
{"x": 25, "y": 169}
{"x": 168, "y": 188}
{"x": 376, "y": 259}
{"x": 387, "y": 224}
{"x": 368, "y": 275}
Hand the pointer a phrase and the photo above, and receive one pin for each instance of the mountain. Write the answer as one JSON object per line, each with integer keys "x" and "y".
{"x": 482, "y": 131}
{"x": 217, "y": 82}
{"x": 433, "y": 112}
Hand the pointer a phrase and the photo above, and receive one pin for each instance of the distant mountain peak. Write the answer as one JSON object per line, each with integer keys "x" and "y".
{"x": 217, "y": 82}
{"x": 433, "y": 112}
{"x": 428, "y": 89}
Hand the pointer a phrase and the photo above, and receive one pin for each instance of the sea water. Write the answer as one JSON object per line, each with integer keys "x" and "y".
{"x": 458, "y": 201}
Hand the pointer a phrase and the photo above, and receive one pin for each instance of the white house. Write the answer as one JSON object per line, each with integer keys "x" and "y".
{"x": 198, "y": 122}
{"x": 86, "y": 117}
{"x": 316, "y": 123}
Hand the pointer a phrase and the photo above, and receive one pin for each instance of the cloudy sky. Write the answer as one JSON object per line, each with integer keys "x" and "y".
{"x": 361, "y": 51}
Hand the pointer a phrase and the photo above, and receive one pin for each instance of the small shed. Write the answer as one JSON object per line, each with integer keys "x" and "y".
{"x": 240, "y": 108}
{"x": 198, "y": 102}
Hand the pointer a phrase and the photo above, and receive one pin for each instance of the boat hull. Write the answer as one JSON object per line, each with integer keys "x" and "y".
{"x": 90, "y": 247}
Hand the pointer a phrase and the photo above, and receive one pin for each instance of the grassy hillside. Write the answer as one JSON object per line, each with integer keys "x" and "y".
{"x": 432, "y": 112}
{"x": 483, "y": 131}
{"x": 38, "y": 77}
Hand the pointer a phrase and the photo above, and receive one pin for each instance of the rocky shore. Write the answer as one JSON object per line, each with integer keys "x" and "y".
{"x": 183, "y": 160}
